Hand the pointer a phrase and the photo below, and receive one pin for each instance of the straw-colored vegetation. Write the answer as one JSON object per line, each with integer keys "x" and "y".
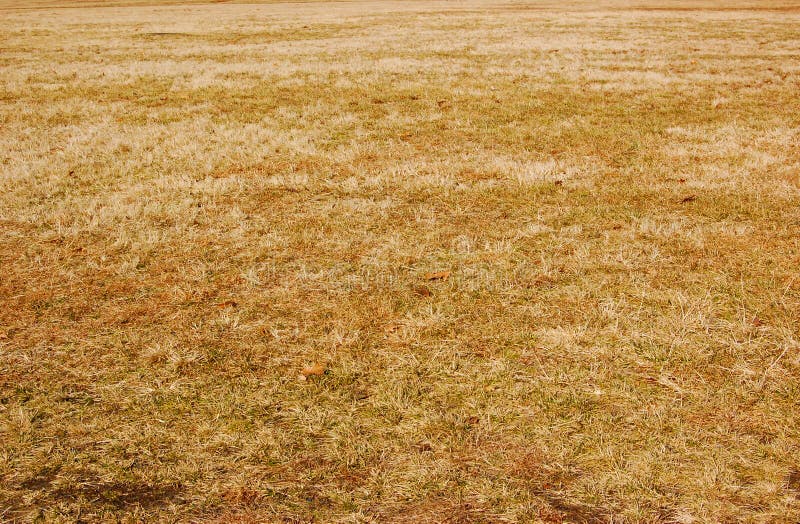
{"x": 198, "y": 203}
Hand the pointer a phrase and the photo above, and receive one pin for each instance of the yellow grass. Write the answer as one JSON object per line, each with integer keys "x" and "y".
{"x": 198, "y": 203}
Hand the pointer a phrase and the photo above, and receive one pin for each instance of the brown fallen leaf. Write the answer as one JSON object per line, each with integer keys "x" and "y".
{"x": 227, "y": 303}
{"x": 422, "y": 291}
{"x": 690, "y": 198}
{"x": 314, "y": 369}
{"x": 438, "y": 275}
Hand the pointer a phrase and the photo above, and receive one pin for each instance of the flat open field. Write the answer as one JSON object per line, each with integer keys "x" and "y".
{"x": 400, "y": 262}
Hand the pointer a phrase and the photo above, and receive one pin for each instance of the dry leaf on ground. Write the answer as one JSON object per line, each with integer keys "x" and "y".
{"x": 227, "y": 303}
{"x": 422, "y": 291}
{"x": 314, "y": 369}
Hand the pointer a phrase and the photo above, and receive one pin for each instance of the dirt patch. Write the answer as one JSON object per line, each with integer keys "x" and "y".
{"x": 119, "y": 495}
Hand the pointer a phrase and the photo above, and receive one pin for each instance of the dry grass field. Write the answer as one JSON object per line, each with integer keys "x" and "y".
{"x": 411, "y": 261}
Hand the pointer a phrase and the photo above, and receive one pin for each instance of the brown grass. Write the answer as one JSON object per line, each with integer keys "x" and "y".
{"x": 198, "y": 203}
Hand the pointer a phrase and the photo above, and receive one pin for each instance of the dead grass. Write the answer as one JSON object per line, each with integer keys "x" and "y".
{"x": 199, "y": 201}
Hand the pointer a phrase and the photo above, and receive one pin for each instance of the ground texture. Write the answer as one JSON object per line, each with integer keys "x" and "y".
{"x": 221, "y": 227}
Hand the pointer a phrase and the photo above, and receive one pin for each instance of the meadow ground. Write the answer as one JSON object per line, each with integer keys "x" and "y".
{"x": 198, "y": 202}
